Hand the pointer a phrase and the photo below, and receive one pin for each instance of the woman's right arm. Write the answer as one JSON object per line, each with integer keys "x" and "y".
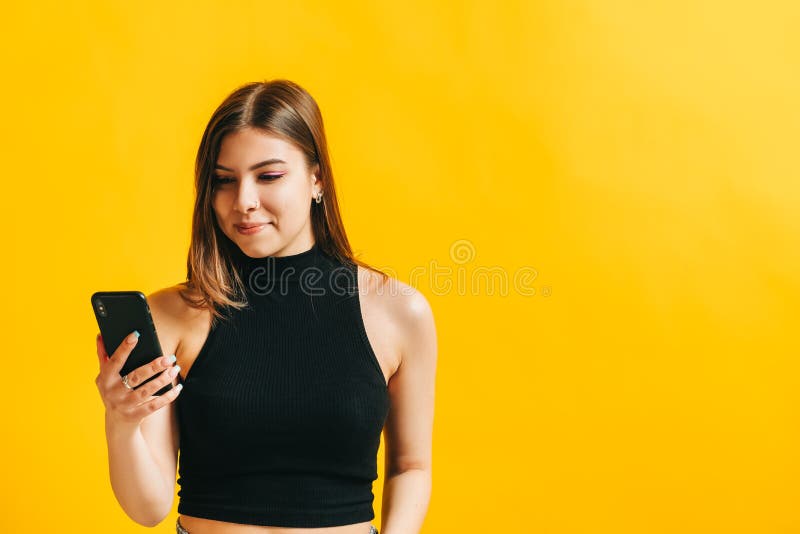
{"x": 139, "y": 484}
{"x": 141, "y": 429}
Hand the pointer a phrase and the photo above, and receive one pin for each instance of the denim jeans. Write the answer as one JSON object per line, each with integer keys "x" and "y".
{"x": 180, "y": 530}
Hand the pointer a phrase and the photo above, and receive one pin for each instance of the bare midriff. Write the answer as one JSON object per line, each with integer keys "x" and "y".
{"x": 199, "y": 525}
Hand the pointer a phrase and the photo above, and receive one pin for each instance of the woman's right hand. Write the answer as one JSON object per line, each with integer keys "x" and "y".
{"x": 129, "y": 406}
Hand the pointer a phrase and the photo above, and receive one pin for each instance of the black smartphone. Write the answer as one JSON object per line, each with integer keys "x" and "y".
{"x": 119, "y": 313}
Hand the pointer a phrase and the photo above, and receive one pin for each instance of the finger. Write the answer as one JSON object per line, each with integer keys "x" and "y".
{"x": 124, "y": 350}
{"x": 102, "y": 355}
{"x": 149, "y": 389}
{"x": 156, "y": 366}
{"x": 148, "y": 407}
{"x": 140, "y": 374}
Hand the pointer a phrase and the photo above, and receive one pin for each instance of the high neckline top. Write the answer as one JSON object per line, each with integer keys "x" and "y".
{"x": 283, "y": 407}
{"x": 291, "y": 267}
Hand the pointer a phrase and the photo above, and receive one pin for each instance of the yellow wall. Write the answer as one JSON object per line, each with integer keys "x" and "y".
{"x": 640, "y": 156}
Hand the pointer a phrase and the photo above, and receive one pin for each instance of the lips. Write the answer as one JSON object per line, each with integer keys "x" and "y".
{"x": 251, "y": 228}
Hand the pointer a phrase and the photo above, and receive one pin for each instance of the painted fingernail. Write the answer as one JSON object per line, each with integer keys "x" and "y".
{"x": 133, "y": 337}
{"x": 174, "y": 370}
{"x": 168, "y": 359}
{"x": 179, "y": 387}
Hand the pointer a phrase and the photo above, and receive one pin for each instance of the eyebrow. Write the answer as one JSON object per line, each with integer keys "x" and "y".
{"x": 254, "y": 167}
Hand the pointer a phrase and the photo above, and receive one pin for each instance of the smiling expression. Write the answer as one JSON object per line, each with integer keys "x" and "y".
{"x": 262, "y": 193}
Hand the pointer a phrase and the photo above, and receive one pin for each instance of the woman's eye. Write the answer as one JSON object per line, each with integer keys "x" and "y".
{"x": 220, "y": 180}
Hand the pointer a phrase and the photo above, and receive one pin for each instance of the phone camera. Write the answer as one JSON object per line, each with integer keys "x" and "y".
{"x": 101, "y": 309}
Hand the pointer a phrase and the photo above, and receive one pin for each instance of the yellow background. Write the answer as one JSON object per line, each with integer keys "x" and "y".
{"x": 640, "y": 156}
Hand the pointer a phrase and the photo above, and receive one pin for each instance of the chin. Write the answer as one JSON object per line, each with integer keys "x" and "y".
{"x": 258, "y": 249}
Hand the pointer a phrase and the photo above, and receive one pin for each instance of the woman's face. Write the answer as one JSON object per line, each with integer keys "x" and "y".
{"x": 261, "y": 179}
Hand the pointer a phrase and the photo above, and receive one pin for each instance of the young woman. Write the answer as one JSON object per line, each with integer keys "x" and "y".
{"x": 294, "y": 355}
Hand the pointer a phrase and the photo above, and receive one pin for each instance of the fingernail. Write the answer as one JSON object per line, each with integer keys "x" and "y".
{"x": 168, "y": 359}
{"x": 132, "y": 340}
{"x": 179, "y": 387}
{"x": 174, "y": 370}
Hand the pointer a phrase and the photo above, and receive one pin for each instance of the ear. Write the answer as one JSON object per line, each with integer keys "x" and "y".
{"x": 315, "y": 182}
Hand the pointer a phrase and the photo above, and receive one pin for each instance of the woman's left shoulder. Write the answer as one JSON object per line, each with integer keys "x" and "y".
{"x": 408, "y": 307}
{"x": 405, "y": 322}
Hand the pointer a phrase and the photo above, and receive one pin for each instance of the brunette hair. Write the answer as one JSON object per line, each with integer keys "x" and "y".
{"x": 278, "y": 107}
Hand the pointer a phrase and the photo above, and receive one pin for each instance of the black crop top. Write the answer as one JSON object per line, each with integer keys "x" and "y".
{"x": 282, "y": 411}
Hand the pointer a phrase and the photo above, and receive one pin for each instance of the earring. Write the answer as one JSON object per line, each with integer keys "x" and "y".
{"x": 319, "y": 196}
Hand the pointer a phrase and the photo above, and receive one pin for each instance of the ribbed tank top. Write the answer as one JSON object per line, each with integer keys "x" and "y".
{"x": 282, "y": 410}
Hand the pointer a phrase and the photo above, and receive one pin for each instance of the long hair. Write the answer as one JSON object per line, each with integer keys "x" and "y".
{"x": 278, "y": 107}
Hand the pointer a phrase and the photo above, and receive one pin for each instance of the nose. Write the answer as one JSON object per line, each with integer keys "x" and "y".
{"x": 246, "y": 197}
